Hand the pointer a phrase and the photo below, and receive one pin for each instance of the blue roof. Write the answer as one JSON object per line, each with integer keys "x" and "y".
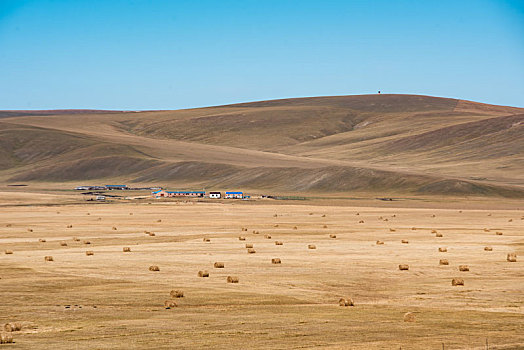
{"x": 116, "y": 185}
{"x": 179, "y": 191}
{"x": 233, "y": 192}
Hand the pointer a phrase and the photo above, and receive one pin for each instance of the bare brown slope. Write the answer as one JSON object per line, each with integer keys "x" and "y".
{"x": 331, "y": 143}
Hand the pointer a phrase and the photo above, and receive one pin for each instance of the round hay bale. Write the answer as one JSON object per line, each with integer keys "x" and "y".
{"x": 219, "y": 265}
{"x": 323, "y": 215}
{"x": 69, "y": 226}
{"x": 403, "y": 267}
{"x": 488, "y": 249}
{"x": 152, "y": 234}
{"x": 9, "y": 252}
{"x": 12, "y": 326}
{"x": 249, "y": 245}
{"x": 405, "y": 241}
{"x": 205, "y": 239}
{"x": 310, "y": 213}
{"x": 6, "y": 338}
{"x": 42, "y": 240}
{"x": 345, "y": 302}
{"x": 232, "y": 279}
{"x": 169, "y": 304}
{"x": 511, "y": 257}
{"x": 392, "y": 230}
{"x": 267, "y": 236}
{"x": 332, "y": 236}
{"x": 244, "y": 229}
{"x": 433, "y": 231}
{"x": 203, "y": 273}
{"x": 498, "y": 233}
{"x": 486, "y": 229}
{"x": 159, "y": 220}
{"x": 29, "y": 230}
{"x": 463, "y": 268}
{"x": 63, "y": 244}
{"x": 87, "y": 242}
{"x": 311, "y": 246}
{"x": 241, "y": 238}
{"x": 443, "y": 262}
{"x": 510, "y": 220}
{"x": 443, "y": 249}
{"x": 176, "y": 293}
{"x": 276, "y": 261}
{"x": 114, "y": 228}
{"x": 380, "y": 242}
{"x": 279, "y": 243}
{"x": 409, "y": 317}
{"x": 438, "y": 235}
{"x": 76, "y": 239}
{"x": 90, "y": 252}
{"x": 413, "y": 228}
{"x": 48, "y": 258}
{"x": 325, "y": 226}
{"x": 295, "y": 228}
{"x": 147, "y": 232}
{"x": 8, "y": 225}
{"x": 386, "y": 219}
{"x": 457, "y": 281}
{"x": 126, "y": 249}
{"x": 361, "y": 222}
{"x": 251, "y": 251}
{"x": 154, "y": 268}
{"x": 276, "y": 225}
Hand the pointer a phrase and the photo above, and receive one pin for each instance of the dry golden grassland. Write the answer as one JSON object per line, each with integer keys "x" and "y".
{"x": 111, "y": 299}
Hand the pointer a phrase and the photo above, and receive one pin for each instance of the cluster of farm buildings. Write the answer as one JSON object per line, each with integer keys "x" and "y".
{"x": 159, "y": 192}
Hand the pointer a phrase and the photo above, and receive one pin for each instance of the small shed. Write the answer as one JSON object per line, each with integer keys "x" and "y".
{"x": 234, "y": 195}
{"x": 215, "y": 195}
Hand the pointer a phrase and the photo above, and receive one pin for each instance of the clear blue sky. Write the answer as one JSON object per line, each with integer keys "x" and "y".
{"x": 147, "y": 54}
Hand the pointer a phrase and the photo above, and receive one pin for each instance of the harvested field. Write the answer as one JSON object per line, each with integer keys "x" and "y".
{"x": 97, "y": 302}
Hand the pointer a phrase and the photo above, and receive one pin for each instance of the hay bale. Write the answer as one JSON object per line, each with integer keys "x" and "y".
{"x": 267, "y": 236}
{"x": 392, "y": 230}
{"x": 232, "y": 279}
{"x": 438, "y": 235}
{"x": 380, "y": 242}
{"x": 159, "y": 220}
{"x": 361, "y": 222}
{"x": 154, "y": 268}
{"x": 89, "y": 253}
{"x": 386, "y": 219}
{"x": 126, "y": 249}
{"x": 48, "y": 258}
{"x": 251, "y": 251}
{"x": 205, "y": 239}
{"x": 203, "y": 273}
{"x": 8, "y": 225}
{"x": 276, "y": 261}
{"x": 405, "y": 241}
{"x": 29, "y": 230}
{"x": 457, "y": 281}
{"x": 152, "y": 234}
{"x": 42, "y": 240}
{"x": 295, "y": 228}
{"x": 488, "y": 249}
{"x": 413, "y": 229}
{"x": 463, "y": 268}
{"x": 325, "y": 226}
{"x": 219, "y": 265}
{"x": 6, "y": 338}
{"x": 357, "y": 214}
{"x": 69, "y": 226}
{"x": 279, "y": 243}
{"x": 176, "y": 293}
{"x": 244, "y": 229}
{"x": 332, "y": 236}
{"x": 323, "y": 215}
{"x": 433, "y": 215}
{"x": 409, "y": 317}
{"x": 498, "y": 233}
{"x": 87, "y": 242}
{"x": 443, "y": 249}
{"x": 403, "y": 267}
{"x": 9, "y": 252}
{"x": 76, "y": 239}
{"x": 510, "y": 220}
{"x": 486, "y": 230}
{"x": 511, "y": 257}
{"x": 114, "y": 228}
{"x": 345, "y": 302}
{"x": 276, "y": 225}
{"x": 63, "y": 244}
{"x": 256, "y": 232}
{"x": 443, "y": 262}
{"x": 147, "y": 232}
{"x": 311, "y": 246}
{"x": 433, "y": 231}
{"x": 169, "y": 304}
{"x": 275, "y": 215}
{"x": 310, "y": 213}
{"x": 12, "y": 327}
{"x": 249, "y": 245}
{"x": 241, "y": 238}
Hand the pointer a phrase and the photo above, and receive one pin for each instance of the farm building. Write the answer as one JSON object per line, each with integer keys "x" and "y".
{"x": 234, "y": 195}
{"x": 215, "y": 195}
{"x": 116, "y": 187}
{"x": 169, "y": 194}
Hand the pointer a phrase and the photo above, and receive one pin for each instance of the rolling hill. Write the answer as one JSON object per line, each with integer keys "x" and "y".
{"x": 387, "y": 144}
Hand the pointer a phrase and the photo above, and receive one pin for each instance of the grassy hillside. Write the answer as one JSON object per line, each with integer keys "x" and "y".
{"x": 378, "y": 143}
